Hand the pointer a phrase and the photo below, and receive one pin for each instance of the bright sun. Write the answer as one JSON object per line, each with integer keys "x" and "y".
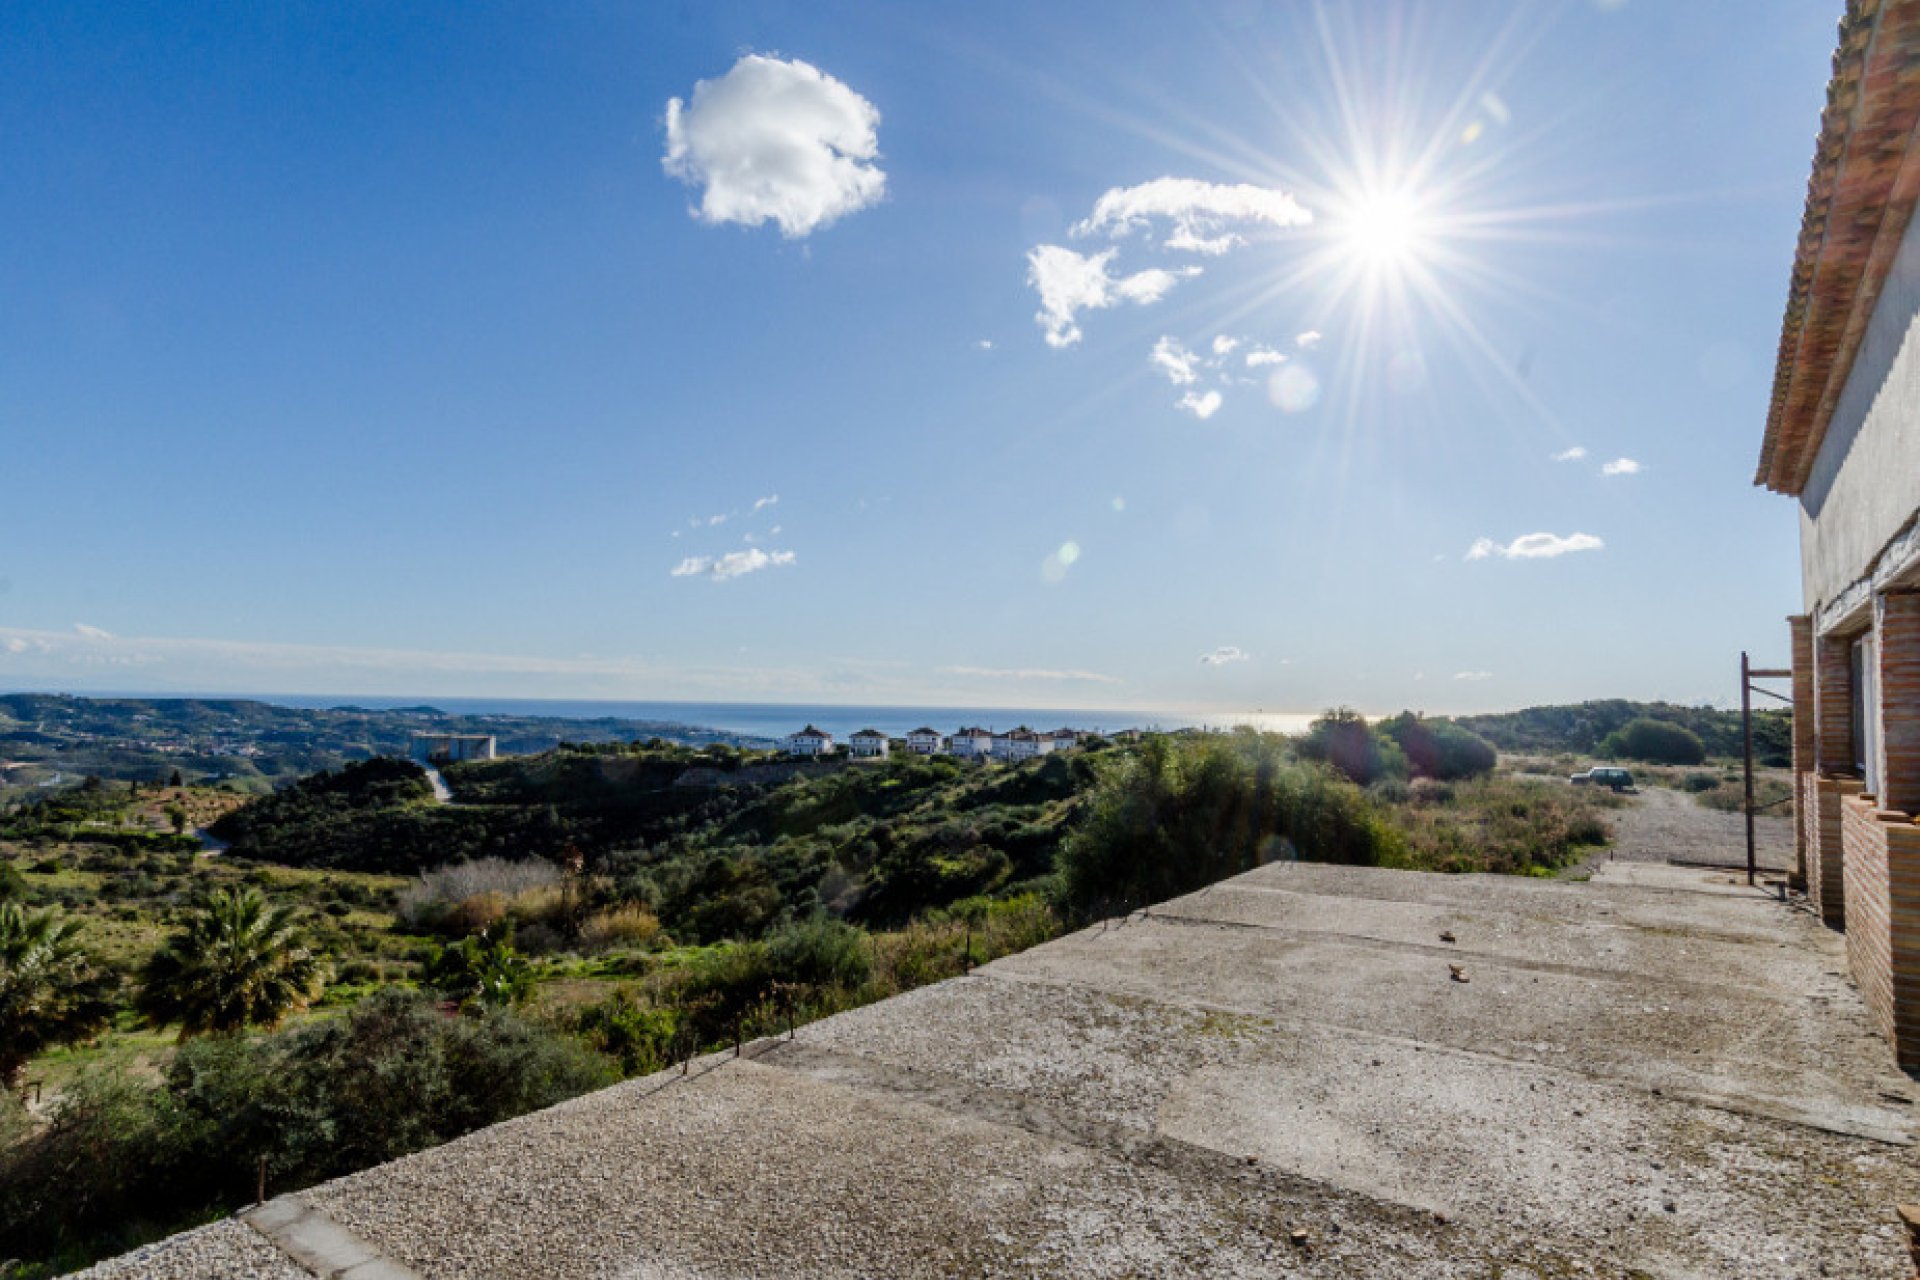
{"x": 1384, "y": 229}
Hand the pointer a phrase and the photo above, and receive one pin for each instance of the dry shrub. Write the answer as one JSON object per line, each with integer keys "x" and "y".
{"x": 629, "y": 925}
{"x": 484, "y": 889}
{"x": 475, "y": 913}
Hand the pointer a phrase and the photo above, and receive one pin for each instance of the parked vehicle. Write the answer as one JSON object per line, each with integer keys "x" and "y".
{"x": 1613, "y": 779}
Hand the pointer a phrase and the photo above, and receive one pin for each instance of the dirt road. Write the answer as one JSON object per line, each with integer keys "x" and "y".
{"x": 1668, "y": 826}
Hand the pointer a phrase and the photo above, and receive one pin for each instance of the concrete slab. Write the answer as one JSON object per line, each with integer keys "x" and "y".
{"x": 1642, "y": 1077}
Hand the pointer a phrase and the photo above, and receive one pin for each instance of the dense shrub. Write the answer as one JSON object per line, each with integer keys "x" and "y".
{"x": 819, "y": 953}
{"x": 1181, "y": 813}
{"x": 123, "y": 1159}
{"x": 1439, "y": 748}
{"x": 1655, "y": 741}
{"x": 1343, "y": 739}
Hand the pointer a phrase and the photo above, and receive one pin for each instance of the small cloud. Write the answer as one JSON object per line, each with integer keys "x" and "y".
{"x": 1223, "y": 345}
{"x": 985, "y": 344}
{"x": 734, "y": 564}
{"x": 1206, "y": 217}
{"x": 1201, "y": 406}
{"x": 1534, "y": 546}
{"x": 1571, "y": 455}
{"x": 14, "y": 644}
{"x": 1260, "y": 356}
{"x": 1309, "y": 340}
{"x": 1473, "y": 675}
{"x": 775, "y": 141}
{"x": 1620, "y": 467}
{"x": 1174, "y": 360}
{"x": 1495, "y": 106}
{"x": 91, "y": 633}
{"x": 1069, "y": 283}
{"x": 771, "y": 500}
{"x": 774, "y": 532}
{"x": 1223, "y": 655}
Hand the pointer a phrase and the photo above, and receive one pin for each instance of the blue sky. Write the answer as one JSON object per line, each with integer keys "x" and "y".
{"x": 413, "y": 349}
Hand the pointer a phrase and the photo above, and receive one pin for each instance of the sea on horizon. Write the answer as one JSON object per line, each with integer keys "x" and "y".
{"x": 778, "y": 719}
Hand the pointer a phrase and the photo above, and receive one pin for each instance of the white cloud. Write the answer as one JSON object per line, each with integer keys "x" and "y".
{"x": 985, "y": 344}
{"x": 1174, "y": 360}
{"x": 14, "y": 644}
{"x": 91, "y": 633}
{"x": 716, "y": 520}
{"x": 775, "y": 141}
{"x": 771, "y": 500}
{"x": 1223, "y": 345}
{"x": 1571, "y": 455}
{"x": 1258, "y": 356}
{"x": 1534, "y": 546}
{"x": 732, "y": 565}
{"x": 1201, "y": 406}
{"x": 1621, "y": 467}
{"x": 1030, "y": 673}
{"x": 1473, "y": 675}
{"x": 1203, "y": 215}
{"x": 1223, "y": 655}
{"x": 1308, "y": 340}
{"x": 1069, "y": 283}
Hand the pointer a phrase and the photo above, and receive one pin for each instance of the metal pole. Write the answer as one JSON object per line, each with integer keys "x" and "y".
{"x": 1746, "y": 741}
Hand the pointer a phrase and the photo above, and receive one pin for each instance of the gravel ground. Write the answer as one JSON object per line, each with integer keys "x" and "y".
{"x": 229, "y": 1250}
{"x": 1670, "y": 826}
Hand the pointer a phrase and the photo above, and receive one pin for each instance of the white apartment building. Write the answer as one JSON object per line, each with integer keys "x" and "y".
{"x": 868, "y": 743}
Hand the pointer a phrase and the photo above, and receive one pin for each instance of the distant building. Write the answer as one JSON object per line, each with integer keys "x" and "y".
{"x": 437, "y": 748}
{"x": 974, "y": 743}
{"x": 868, "y": 743}
{"x": 1843, "y": 439}
{"x": 1021, "y": 744}
{"x": 1064, "y": 739}
{"x": 926, "y": 742}
{"x": 808, "y": 742}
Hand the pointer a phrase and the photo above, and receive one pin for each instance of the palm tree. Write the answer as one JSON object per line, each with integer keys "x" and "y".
{"x": 238, "y": 963}
{"x": 50, "y": 992}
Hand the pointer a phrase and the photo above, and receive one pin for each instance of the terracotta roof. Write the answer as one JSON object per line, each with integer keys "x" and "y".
{"x": 1866, "y": 177}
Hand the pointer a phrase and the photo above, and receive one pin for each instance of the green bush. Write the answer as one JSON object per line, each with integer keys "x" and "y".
{"x": 1343, "y": 739}
{"x": 1178, "y": 814}
{"x": 1655, "y": 741}
{"x": 819, "y": 952}
{"x": 1439, "y": 748}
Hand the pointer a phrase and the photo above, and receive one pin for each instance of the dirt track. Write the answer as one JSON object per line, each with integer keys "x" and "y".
{"x": 1669, "y": 826}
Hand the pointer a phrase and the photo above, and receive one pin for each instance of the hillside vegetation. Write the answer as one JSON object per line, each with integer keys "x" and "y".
{"x": 1594, "y": 729}
{"x": 415, "y": 969}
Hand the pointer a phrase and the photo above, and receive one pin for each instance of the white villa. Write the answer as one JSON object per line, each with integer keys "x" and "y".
{"x": 808, "y": 742}
{"x": 926, "y": 742}
{"x": 869, "y": 743}
{"x": 971, "y": 742}
{"x": 1021, "y": 744}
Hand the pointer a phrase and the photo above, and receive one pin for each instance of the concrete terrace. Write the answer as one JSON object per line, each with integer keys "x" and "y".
{"x": 1658, "y": 1073}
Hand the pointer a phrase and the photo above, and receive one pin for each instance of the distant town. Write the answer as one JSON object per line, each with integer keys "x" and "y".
{"x": 975, "y": 743}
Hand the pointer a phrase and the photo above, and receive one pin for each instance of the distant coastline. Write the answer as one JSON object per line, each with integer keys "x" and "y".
{"x": 764, "y": 719}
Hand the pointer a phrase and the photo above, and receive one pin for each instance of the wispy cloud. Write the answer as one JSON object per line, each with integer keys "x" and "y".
{"x": 1259, "y": 356}
{"x": 1620, "y": 467}
{"x": 1204, "y": 217}
{"x": 1202, "y": 405}
{"x": 775, "y": 141}
{"x": 771, "y": 500}
{"x": 1534, "y": 546}
{"x": 90, "y": 632}
{"x": 1069, "y": 283}
{"x": 1309, "y": 340}
{"x": 1173, "y": 359}
{"x": 985, "y": 344}
{"x": 733, "y": 564}
{"x": 1571, "y": 455}
{"x": 1223, "y": 655}
{"x": 1473, "y": 675}
{"x": 1030, "y": 673}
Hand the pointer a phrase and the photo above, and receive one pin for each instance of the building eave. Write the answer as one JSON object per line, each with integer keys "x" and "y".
{"x": 1860, "y": 197}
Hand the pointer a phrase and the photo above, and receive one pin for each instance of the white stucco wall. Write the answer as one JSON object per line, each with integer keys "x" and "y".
{"x": 1865, "y": 483}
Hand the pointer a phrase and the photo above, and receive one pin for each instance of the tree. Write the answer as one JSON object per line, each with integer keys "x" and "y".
{"x": 177, "y": 815}
{"x": 1439, "y": 748}
{"x": 1343, "y": 739}
{"x": 50, "y": 991}
{"x": 238, "y": 963}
